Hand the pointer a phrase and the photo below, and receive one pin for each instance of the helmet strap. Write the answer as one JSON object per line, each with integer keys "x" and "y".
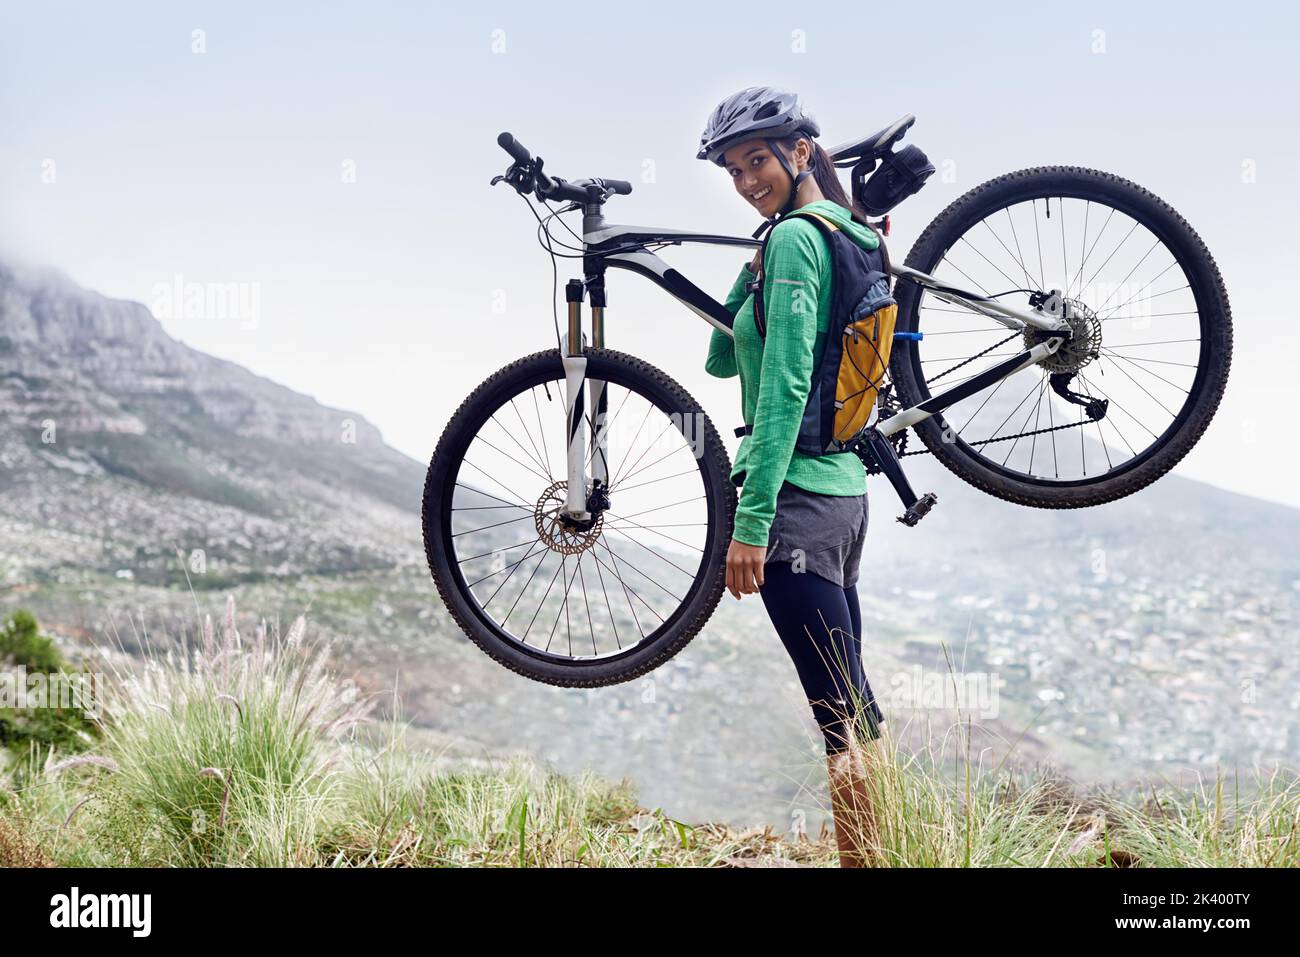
{"x": 795, "y": 181}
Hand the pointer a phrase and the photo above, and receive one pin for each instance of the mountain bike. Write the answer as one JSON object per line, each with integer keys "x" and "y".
{"x": 1063, "y": 340}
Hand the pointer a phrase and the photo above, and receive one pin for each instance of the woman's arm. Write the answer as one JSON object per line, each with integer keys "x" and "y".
{"x": 797, "y": 261}
{"x": 722, "y": 347}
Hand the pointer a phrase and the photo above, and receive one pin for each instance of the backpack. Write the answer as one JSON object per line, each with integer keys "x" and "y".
{"x": 852, "y": 370}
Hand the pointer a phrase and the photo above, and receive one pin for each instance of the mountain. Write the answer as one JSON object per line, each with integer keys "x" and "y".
{"x": 1147, "y": 636}
{"x": 119, "y": 445}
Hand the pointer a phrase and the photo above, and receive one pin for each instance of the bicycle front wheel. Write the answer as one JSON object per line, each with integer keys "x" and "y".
{"x": 579, "y": 606}
{"x": 1122, "y": 402}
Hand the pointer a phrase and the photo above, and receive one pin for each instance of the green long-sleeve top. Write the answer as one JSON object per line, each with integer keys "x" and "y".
{"x": 776, "y": 375}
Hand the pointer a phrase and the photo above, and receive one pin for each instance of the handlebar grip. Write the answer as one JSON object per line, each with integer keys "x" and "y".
{"x": 514, "y": 147}
{"x": 620, "y": 186}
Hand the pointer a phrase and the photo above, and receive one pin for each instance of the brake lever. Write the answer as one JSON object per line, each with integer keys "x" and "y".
{"x": 520, "y": 175}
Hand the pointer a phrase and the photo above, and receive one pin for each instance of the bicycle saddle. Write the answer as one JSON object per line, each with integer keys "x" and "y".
{"x": 875, "y": 145}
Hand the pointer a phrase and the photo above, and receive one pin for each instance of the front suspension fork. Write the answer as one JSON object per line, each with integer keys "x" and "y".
{"x": 582, "y": 497}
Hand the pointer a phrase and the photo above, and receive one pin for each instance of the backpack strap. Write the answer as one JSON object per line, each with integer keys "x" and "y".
{"x": 818, "y": 216}
{"x": 759, "y": 287}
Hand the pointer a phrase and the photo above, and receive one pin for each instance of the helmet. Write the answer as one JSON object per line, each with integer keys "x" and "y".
{"x": 758, "y": 112}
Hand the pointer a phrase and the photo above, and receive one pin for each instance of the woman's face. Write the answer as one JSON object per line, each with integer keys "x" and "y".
{"x": 758, "y": 175}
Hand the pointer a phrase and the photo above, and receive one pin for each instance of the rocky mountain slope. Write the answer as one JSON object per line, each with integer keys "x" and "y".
{"x": 120, "y": 445}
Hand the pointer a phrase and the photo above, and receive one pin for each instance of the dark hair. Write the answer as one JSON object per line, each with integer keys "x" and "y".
{"x": 828, "y": 182}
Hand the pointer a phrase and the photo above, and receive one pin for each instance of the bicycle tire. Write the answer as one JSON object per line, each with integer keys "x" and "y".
{"x": 681, "y": 626}
{"x": 1207, "y": 287}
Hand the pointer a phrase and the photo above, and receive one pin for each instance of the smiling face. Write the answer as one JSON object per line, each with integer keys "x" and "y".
{"x": 758, "y": 176}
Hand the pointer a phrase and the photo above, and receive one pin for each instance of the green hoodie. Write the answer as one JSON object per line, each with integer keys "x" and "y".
{"x": 776, "y": 375}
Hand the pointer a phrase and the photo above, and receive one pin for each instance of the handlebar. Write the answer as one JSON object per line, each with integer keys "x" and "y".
{"x": 526, "y": 175}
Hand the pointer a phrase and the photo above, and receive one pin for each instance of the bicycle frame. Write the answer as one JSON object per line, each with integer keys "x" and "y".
{"x": 609, "y": 245}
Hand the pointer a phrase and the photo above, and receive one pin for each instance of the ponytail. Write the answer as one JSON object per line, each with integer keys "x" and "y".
{"x": 828, "y": 181}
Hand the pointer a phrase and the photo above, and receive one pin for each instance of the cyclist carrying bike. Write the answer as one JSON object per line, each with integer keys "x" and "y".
{"x": 801, "y": 519}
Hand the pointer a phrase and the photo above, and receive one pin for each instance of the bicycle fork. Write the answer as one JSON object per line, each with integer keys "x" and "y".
{"x": 581, "y": 497}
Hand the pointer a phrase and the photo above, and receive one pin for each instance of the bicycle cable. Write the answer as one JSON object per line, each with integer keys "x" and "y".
{"x": 550, "y": 242}
{"x": 555, "y": 277}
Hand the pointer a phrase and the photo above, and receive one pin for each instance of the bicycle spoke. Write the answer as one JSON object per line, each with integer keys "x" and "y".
{"x": 655, "y": 462}
{"x": 989, "y": 261}
{"x": 1150, "y": 373}
{"x": 628, "y": 488}
{"x": 1117, "y": 405}
{"x": 619, "y": 558}
{"x": 656, "y": 555}
{"x": 1113, "y": 252}
{"x": 513, "y": 568}
{"x": 526, "y": 452}
{"x": 542, "y": 602}
{"x": 1159, "y": 362}
{"x": 628, "y": 591}
{"x": 1039, "y": 241}
{"x": 1020, "y": 256}
{"x": 564, "y": 608}
{"x": 494, "y": 551}
{"x": 587, "y": 602}
{"x": 546, "y": 466}
{"x": 541, "y": 428}
{"x": 995, "y": 391}
{"x": 651, "y": 528}
{"x": 631, "y": 445}
{"x": 658, "y": 508}
{"x": 1154, "y": 296}
{"x": 608, "y": 607}
{"x": 967, "y": 275}
{"x": 1028, "y": 279}
{"x": 485, "y": 495}
{"x": 609, "y": 423}
{"x": 521, "y": 518}
{"x": 1114, "y": 425}
{"x": 489, "y": 475}
{"x": 1088, "y": 254}
{"x": 1100, "y": 437}
{"x": 1037, "y": 388}
{"x": 1065, "y": 264}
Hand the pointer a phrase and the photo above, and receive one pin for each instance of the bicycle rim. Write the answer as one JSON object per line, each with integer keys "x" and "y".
{"x": 1146, "y": 316}
{"x": 580, "y": 599}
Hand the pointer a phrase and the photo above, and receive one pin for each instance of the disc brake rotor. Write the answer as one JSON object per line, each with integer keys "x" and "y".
{"x": 557, "y": 535}
{"x": 1083, "y": 346}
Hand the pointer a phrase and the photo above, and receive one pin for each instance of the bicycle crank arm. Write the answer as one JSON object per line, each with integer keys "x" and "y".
{"x": 883, "y": 452}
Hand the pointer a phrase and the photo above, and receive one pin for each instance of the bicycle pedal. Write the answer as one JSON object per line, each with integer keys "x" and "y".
{"x": 918, "y": 509}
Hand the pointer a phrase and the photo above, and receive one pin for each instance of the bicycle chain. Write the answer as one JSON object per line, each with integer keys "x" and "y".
{"x": 887, "y": 409}
{"x": 973, "y": 358}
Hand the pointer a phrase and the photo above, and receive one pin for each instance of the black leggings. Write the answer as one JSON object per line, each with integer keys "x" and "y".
{"x": 820, "y": 625}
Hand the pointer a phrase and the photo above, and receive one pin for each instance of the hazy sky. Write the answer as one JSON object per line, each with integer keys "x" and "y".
{"x": 335, "y": 159}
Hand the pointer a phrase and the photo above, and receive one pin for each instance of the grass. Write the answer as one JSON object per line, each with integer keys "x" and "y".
{"x": 230, "y": 751}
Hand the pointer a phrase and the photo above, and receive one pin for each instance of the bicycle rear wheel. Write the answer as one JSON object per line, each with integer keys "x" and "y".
{"x": 591, "y": 606}
{"x": 1153, "y": 337}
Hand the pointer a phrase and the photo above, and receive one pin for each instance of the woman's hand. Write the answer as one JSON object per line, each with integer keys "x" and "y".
{"x": 744, "y": 568}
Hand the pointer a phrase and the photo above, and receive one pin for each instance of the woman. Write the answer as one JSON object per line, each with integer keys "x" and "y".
{"x": 800, "y": 520}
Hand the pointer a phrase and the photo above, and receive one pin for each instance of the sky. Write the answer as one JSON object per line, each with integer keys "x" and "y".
{"x": 333, "y": 161}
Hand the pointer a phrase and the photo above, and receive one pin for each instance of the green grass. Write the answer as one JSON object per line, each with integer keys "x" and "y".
{"x": 30, "y": 734}
{"x": 239, "y": 750}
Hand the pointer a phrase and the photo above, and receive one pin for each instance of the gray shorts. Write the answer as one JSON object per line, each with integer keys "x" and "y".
{"x": 825, "y": 532}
